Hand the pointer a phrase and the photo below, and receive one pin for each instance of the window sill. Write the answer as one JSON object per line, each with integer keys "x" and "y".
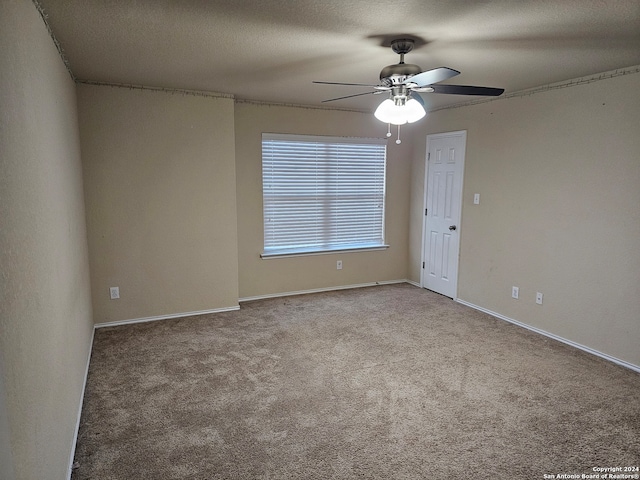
{"x": 281, "y": 254}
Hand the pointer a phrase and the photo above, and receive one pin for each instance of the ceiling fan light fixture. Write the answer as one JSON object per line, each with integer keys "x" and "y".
{"x": 405, "y": 82}
{"x": 399, "y": 111}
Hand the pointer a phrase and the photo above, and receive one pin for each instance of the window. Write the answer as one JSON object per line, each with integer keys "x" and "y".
{"x": 322, "y": 194}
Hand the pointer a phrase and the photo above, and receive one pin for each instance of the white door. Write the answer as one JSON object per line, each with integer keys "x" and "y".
{"x": 443, "y": 201}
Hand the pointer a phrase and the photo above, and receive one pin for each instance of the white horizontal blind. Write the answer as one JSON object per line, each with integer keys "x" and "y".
{"x": 322, "y": 193}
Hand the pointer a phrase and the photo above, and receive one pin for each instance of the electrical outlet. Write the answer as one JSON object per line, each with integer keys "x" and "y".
{"x": 476, "y": 199}
{"x": 538, "y": 298}
{"x": 339, "y": 265}
{"x": 515, "y": 292}
{"x": 114, "y": 292}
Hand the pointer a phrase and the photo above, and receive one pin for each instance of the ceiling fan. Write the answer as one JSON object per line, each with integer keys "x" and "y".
{"x": 404, "y": 82}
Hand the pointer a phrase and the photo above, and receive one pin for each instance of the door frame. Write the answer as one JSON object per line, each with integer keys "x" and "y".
{"x": 424, "y": 206}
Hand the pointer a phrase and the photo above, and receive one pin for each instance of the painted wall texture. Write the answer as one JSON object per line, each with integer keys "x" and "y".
{"x": 45, "y": 304}
{"x": 159, "y": 178}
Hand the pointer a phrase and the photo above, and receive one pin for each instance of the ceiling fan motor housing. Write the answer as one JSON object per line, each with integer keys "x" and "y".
{"x": 398, "y": 73}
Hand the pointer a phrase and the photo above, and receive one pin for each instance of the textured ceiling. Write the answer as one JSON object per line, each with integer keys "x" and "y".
{"x": 272, "y": 50}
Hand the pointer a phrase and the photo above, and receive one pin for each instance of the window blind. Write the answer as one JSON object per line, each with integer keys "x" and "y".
{"x": 322, "y": 193}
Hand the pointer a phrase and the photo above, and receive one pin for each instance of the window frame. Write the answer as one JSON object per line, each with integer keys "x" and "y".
{"x": 325, "y": 142}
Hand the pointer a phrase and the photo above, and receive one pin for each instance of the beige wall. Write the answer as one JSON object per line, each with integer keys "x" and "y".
{"x": 263, "y": 277}
{"x": 159, "y": 181}
{"x": 6, "y": 456}
{"x": 559, "y": 178}
{"x": 45, "y": 303}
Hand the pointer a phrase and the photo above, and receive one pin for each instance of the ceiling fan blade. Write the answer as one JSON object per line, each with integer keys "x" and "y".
{"x": 467, "y": 90}
{"x": 350, "y": 84}
{"x": 432, "y": 76}
{"x": 349, "y": 96}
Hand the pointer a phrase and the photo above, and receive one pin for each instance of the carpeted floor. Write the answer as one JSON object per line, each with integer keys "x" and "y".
{"x": 389, "y": 382}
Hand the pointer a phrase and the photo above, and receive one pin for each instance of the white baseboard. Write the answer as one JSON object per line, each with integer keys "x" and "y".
{"x": 615, "y": 360}
{"x": 320, "y": 290}
{"x": 79, "y": 415}
{"x": 165, "y": 317}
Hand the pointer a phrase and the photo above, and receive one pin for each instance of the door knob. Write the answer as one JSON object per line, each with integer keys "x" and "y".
{"x": 452, "y": 227}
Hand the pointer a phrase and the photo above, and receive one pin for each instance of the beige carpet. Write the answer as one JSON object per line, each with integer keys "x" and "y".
{"x": 390, "y": 382}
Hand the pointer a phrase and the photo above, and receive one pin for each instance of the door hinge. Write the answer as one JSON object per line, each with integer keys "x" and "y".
{"x": 428, "y": 156}
{"x": 425, "y": 212}
{"x": 422, "y": 264}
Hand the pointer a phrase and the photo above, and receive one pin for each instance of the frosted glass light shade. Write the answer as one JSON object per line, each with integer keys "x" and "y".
{"x": 413, "y": 111}
{"x": 389, "y": 112}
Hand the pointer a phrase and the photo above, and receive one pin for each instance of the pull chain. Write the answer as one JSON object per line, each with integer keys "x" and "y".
{"x": 398, "y": 141}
